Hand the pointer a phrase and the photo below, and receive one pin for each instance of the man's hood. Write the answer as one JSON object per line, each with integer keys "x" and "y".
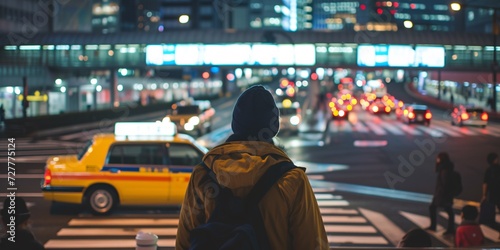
{"x": 239, "y": 165}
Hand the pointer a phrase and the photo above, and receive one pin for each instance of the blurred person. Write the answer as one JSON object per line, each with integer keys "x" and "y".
{"x": 469, "y": 232}
{"x": 491, "y": 184}
{"x": 2, "y": 114}
{"x": 289, "y": 210}
{"x": 416, "y": 237}
{"x": 443, "y": 193}
{"x": 19, "y": 235}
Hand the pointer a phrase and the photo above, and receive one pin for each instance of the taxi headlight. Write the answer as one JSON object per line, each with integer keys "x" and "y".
{"x": 195, "y": 120}
{"x": 188, "y": 126}
{"x": 294, "y": 120}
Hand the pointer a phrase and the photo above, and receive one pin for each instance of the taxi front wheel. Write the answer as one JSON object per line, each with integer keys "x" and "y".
{"x": 101, "y": 200}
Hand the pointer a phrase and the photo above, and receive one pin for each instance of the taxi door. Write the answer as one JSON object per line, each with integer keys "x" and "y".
{"x": 183, "y": 158}
{"x": 139, "y": 172}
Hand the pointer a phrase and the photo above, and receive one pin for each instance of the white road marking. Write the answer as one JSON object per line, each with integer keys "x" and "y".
{"x": 362, "y": 240}
{"x": 115, "y": 231}
{"x": 380, "y": 143}
{"x": 392, "y": 128}
{"x": 488, "y": 232}
{"x": 122, "y": 222}
{"x": 408, "y": 129}
{"x": 23, "y": 176}
{"x": 423, "y": 222}
{"x": 99, "y": 243}
{"x": 30, "y": 195}
{"x": 324, "y": 210}
{"x": 332, "y": 203}
{"x": 349, "y": 229}
{"x": 392, "y": 232}
{"x": 343, "y": 219}
{"x": 376, "y": 129}
{"x": 327, "y": 197}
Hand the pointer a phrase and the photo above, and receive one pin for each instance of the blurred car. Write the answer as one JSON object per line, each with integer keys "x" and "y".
{"x": 468, "y": 115}
{"x": 416, "y": 113}
{"x": 290, "y": 116}
{"x": 140, "y": 164}
{"x": 192, "y": 117}
{"x": 340, "y": 108}
{"x": 379, "y": 107}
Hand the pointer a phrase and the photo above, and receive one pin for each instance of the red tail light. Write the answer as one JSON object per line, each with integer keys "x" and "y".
{"x": 411, "y": 115}
{"x": 375, "y": 109}
{"x": 47, "y": 177}
{"x": 428, "y": 115}
{"x": 464, "y": 116}
{"x": 484, "y": 116}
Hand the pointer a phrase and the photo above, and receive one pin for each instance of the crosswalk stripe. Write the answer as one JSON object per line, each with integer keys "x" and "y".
{"x": 392, "y": 232}
{"x": 364, "y": 240}
{"x": 28, "y": 159}
{"x": 343, "y": 219}
{"x": 490, "y": 233}
{"x": 324, "y": 210}
{"x": 29, "y": 195}
{"x": 100, "y": 243}
{"x": 495, "y": 129}
{"x": 114, "y": 231}
{"x": 332, "y": 203}
{"x": 122, "y": 222}
{"x": 486, "y": 131}
{"x": 423, "y": 222}
{"x": 487, "y": 231}
{"x": 349, "y": 229}
{"x": 327, "y": 196}
{"x": 358, "y": 127}
{"x": 408, "y": 129}
{"x": 431, "y": 131}
{"x": 376, "y": 129}
{"x": 393, "y": 129}
{"x": 316, "y": 177}
{"x": 463, "y": 130}
{"x": 23, "y": 176}
{"x": 447, "y": 131}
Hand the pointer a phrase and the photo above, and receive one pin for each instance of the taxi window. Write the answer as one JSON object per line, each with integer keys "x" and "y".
{"x": 148, "y": 154}
{"x": 184, "y": 154}
{"x": 84, "y": 149}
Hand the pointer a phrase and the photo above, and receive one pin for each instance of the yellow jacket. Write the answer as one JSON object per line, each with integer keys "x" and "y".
{"x": 289, "y": 210}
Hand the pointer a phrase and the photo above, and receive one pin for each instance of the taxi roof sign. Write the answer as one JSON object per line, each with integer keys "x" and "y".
{"x": 145, "y": 128}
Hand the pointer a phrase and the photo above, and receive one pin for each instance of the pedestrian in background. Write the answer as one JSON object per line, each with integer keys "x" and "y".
{"x": 443, "y": 193}
{"x": 289, "y": 210}
{"x": 416, "y": 237}
{"x": 469, "y": 232}
{"x": 491, "y": 190}
{"x": 24, "y": 239}
{"x": 2, "y": 114}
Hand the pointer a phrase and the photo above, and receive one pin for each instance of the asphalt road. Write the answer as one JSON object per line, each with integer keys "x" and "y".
{"x": 373, "y": 177}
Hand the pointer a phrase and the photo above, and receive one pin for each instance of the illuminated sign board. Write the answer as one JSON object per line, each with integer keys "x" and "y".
{"x": 230, "y": 54}
{"x": 400, "y": 56}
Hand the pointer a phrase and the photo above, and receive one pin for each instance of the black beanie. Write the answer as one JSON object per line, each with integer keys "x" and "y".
{"x": 255, "y": 115}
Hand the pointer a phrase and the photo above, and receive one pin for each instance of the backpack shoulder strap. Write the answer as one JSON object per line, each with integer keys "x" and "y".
{"x": 270, "y": 177}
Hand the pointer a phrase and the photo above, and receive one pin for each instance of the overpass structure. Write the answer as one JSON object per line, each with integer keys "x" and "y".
{"x": 45, "y": 58}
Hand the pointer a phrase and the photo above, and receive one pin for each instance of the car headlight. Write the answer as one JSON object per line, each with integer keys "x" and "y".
{"x": 294, "y": 120}
{"x": 188, "y": 126}
{"x": 195, "y": 120}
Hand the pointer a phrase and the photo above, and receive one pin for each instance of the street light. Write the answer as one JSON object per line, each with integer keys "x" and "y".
{"x": 494, "y": 30}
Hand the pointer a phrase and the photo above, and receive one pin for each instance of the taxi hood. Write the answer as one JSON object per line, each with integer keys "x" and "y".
{"x": 239, "y": 165}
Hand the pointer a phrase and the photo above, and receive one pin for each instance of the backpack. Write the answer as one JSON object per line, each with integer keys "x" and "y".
{"x": 456, "y": 181}
{"x": 236, "y": 223}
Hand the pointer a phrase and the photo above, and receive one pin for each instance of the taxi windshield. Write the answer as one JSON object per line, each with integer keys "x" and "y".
{"x": 84, "y": 149}
{"x": 184, "y": 110}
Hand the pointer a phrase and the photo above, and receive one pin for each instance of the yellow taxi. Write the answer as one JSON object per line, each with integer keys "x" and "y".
{"x": 146, "y": 164}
